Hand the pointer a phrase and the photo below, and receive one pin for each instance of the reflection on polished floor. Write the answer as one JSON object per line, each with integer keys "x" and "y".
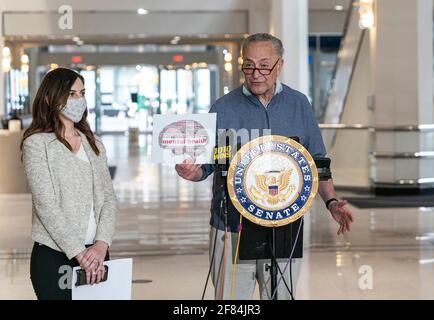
{"x": 163, "y": 224}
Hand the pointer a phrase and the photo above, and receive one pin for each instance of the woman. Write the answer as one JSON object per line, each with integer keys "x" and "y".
{"x": 72, "y": 193}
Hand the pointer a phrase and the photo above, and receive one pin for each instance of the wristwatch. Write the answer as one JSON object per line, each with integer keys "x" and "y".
{"x": 327, "y": 203}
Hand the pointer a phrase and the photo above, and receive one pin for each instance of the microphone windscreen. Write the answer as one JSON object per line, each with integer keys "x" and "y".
{"x": 295, "y": 138}
{"x": 323, "y": 167}
{"x": 322, "y": 162}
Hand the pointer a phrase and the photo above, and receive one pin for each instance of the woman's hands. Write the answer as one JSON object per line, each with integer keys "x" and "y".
{"x": 91, "y": 261}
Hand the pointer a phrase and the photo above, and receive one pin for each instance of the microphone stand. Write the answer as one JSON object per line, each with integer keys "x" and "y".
{"x": 273, "y": 265}
{"x": 223, "y": 170}
{"x": 224, "y": 199}
{"x": 324, "y": 173}
{"x": 273, "y": 268}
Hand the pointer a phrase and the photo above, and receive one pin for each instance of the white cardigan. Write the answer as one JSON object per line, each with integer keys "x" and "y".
{"x": 62, "y": 197}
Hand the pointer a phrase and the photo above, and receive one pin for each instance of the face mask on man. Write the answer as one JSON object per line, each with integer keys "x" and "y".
{"x": 74, "y": 109}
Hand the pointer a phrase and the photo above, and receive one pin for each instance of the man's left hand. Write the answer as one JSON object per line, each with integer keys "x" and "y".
{"x": 342, "y": 215}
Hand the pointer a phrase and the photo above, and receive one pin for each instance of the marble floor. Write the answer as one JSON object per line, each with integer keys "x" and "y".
{"x": 163, "y": 224}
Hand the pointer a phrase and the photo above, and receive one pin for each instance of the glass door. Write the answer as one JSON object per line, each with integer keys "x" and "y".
{"x": 128, "y": 97}
{"x": 89, "y": 76}
{"x": 177, "y": 91}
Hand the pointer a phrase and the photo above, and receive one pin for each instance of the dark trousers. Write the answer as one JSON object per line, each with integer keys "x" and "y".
{"x": 51, "y": 273}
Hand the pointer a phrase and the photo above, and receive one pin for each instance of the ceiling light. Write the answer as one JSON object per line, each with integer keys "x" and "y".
{"x": 366, "y": 19}
{"x": 339, "y": 7}
{"x": 228, "y": 67}
{"x": 366, "y": 13}
{"x": 228, "y": 57}
{"x": 6, "y": 51}
{"x": 6, "y": 61}
{"x": 142, "y": 11}
{"x": 25, "y": 59}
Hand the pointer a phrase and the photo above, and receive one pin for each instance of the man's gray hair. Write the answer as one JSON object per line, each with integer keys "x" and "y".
{"x": 277, "y": 44}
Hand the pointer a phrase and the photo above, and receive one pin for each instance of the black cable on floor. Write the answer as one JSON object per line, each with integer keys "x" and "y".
{"x": 281, "y": 273}
{"x": 292, "y": 251}
{"x": 290, "y": 263}
{"x": 211, "y": 264}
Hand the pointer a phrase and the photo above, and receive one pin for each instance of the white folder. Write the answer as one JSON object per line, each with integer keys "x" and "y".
{"x": 116, "y": 287}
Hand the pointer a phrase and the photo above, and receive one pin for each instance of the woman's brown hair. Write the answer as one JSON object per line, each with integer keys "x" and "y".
{"x": 49, "y": 101}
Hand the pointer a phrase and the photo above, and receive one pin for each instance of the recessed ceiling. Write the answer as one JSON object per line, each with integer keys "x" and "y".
{"x": 328, "y": 4}
{"x": 314, "y": 5}
{"x": 121, "y": 39}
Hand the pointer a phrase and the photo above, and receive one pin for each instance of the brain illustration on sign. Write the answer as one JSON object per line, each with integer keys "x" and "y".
{"x": 185, "y": 137}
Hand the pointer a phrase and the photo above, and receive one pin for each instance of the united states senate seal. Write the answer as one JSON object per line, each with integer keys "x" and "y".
{"x": 272, "y": 181}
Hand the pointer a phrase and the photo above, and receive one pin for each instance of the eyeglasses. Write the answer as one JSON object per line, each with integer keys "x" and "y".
{"x": 263, "y": 71}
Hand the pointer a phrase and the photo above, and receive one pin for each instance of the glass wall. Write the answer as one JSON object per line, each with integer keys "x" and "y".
{"x": 16, "y": 97}
{"x": 131, "y": 95}
{"x": 322, "y": 62}
{"x": 121, "y": 97}
{"x": 185, "y": 91}
{"x": 90, "y": 85}
{"x": 116, "y": 86}
{"x": 203, "y": 90}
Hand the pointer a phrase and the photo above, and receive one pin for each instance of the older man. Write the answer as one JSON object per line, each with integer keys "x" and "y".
{"x": 262, "y": 103}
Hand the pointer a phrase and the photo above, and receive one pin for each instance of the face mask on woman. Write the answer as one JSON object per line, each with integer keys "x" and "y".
{"x": 74, "y": 109}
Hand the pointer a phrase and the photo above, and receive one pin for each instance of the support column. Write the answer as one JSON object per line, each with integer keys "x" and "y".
{"x": 289, "y": 22}
{"x": 402, "y": 53}
{"x": 2, "y": 75}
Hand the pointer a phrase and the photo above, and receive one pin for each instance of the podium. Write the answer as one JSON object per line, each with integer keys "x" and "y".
{"x": 272, "y": 182}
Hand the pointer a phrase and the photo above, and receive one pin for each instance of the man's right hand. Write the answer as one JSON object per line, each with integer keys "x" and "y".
{"x": 189, "y": 170}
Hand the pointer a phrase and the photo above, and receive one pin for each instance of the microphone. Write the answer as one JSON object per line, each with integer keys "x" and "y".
{"x": 323, "y": 167}
{"x": 295, "y": 138}
{"x": 225, "y": 150}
